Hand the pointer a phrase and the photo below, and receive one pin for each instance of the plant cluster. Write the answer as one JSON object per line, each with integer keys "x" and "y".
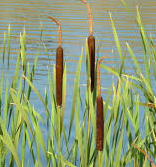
{"x": 125, "y": 139}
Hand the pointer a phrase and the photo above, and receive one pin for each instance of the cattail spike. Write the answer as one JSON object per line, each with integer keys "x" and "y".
{"x": 59, "y": 65}
{"x": 59, "y": 75}
{"x": 99, "y": 124}
{"x": 91, "y": 48}
{"x": 99, "y": 111}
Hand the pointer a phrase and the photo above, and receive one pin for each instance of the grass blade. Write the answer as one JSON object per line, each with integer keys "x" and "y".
{"x": 116, "y": 38}
{"x": 75, "y": 94}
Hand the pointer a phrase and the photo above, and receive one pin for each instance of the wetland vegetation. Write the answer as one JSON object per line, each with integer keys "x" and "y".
{"x": 129, "y": 112}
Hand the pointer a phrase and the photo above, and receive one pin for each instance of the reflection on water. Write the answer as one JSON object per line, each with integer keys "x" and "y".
{"x": 73, "y": 16}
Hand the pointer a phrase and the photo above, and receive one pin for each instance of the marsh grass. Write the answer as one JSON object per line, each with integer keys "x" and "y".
{"x": 23, "y": 142}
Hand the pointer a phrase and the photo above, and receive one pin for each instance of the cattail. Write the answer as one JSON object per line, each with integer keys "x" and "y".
{"x": 59, "y": 65}
{"x": 99, "y": 112}
{"x": 99, "y": 124}
{"x": 91, "y": 44}
{"x": 91, "y": 48}
{"x": 59, "y": 75}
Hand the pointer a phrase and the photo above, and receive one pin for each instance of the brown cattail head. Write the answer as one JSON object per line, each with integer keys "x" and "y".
{"x": 59, "y": 75}
{"x": 99, "y": 124}
{"x": 91, "y": 48}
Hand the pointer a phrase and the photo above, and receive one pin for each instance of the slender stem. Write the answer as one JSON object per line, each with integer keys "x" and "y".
{"x": 89, "y": 118}
{"x": 59, "y": 30}
{"x": 98, "y": 76}
{"x": 83, "y": 1}
{"x": 59, "y": 134}
{"x": 89, "y": 17}
{"x": 99, "y": 159}
{"x": 145, "y": 154}
{"x": 90, "y": 20}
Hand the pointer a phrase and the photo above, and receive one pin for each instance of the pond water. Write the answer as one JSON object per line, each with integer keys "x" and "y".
{"x": 73, "y": 17}
{"x": 32, "y": 14}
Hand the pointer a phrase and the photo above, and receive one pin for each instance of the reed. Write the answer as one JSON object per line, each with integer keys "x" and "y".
{"x": 91, "y": 44}
{"x": 59, "y": 64}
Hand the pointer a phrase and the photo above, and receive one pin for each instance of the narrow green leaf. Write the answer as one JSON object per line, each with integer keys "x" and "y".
{"x": 75, "y": 94}
{"x": 134, "y": 58}
{"x": 37, "y": 92}
{"x": 8, "y": 142}
{"x": 9, "y": 43}
{"x": 4, "y": 45}
{"x": 116, "y": 38}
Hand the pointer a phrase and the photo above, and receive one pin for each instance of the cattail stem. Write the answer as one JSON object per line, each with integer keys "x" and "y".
{"x": 98, "y": 75}
{"x": 99, "y": 124}
{"x": 99, "y": 112}
{"x": 89, "y": 17}
{"x": 59, "y": 65}
{"x": 59, "y": 75}
{"x": 59, "y": 30}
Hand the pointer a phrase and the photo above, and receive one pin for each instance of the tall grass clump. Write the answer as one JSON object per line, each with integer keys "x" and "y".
{"x": 115, "y": 136}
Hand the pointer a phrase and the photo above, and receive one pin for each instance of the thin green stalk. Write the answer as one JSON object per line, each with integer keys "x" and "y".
{"x": 59, "y": 133}
{"x": 75, "y": 92}
{"x": 99, "y": 158}
{"x": 4, "y": 46}
{"x": 116, "y": 39}
{"x": 1, "y": 90}
{"x": 9, "y": 43}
